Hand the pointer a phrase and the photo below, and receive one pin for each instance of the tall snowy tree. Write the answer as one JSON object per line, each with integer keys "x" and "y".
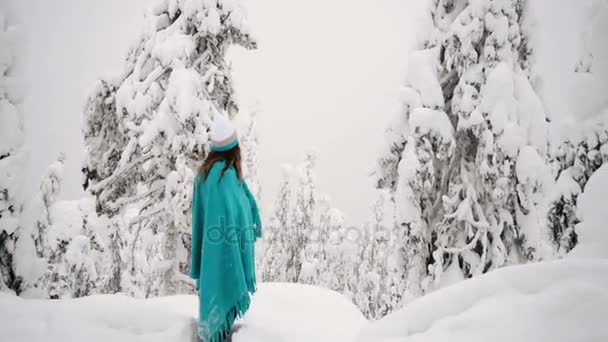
{"x": 145, "y": 133}
{"x": 296, "y": 240}
{"x": 372, "y": 293}
{"x": 315, "y": 260}
{"x": 249, "y": 141}
{"x": 72, "y": 269}
{"x": 338, "y": 271}
{"x": 466, "y": 160}
{"x": 302, "y": 216}
{"x": 324, "y": 250}
{"x": 36, "y": 249}
{"x": 581, "y": 147}
{"x": 276, "y": 238}
{"x": 11, "y": 157}
{"x": 291, "y": 224}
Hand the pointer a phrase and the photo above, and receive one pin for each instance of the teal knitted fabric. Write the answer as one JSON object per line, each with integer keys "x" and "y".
{"x": 225, "y": 225}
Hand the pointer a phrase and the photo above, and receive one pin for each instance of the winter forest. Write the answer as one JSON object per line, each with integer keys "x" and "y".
{"x": 482, "y": 203}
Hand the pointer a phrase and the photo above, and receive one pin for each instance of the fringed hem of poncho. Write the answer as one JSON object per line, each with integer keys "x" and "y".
{"x": 237, "y": 311}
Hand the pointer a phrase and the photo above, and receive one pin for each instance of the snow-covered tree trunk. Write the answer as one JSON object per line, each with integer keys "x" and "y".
{"x": 11, "y": 157}
{"x": 466, "y": 160}
{"x": 146, "y": 131}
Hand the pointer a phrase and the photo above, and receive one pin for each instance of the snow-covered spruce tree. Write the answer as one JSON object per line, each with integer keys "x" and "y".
{"x": 276, "y": 235}
{"x": 11, "y": 158}
{"x": 305, "y": 240}
{"x": 315, "y": 262}
{"x": 582, "y": 146}
{"x": 287, "y": 234}
{"x": 33, "y": 249}
{"x": 302, "y": 216}
{"x": 372, "y": 294}
{"x": 339, "y": 255}
{"x": 574, "y": 161}
{"x": 295, "y": 237}
{"x": 145, "y": 132}
{"x": 316, "y": 255}
{"x": 58, "y": 242}
{"x": 249, "y": 141}
{"x": 329, "y": 256}
{"x": 87, "y": 256}
{"x": 72, "y": 263}
{"x": 466, "y": 159}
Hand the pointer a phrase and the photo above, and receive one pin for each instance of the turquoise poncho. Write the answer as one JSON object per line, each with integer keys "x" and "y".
{"x": 225, "y": 225}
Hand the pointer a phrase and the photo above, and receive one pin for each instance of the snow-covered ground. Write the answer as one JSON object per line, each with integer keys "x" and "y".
{"x": 564, "y": 300}
{"x": 556, "y": 301}
{"x": 279, "y": 312}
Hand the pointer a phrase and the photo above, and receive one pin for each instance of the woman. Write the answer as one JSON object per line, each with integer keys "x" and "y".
{"x": 225, "y": 225}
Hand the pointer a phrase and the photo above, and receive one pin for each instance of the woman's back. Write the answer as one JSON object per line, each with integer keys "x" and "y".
{"x": 225, "y": 223}
{"x": 223, "y": 184}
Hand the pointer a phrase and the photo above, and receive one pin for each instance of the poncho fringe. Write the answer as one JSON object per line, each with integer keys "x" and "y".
{"x": 237, "y": 311}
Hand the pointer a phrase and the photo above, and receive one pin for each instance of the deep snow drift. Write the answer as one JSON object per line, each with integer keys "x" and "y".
{"x": 564, "y": 300}
{"x": 279, "y": 312}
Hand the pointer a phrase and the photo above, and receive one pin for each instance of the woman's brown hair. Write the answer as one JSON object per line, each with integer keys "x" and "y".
{"x": 232, "y": 157}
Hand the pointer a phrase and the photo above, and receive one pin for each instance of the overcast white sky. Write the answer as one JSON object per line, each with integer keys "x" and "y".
{"x": 66, "y": 46}
{"x": 326, "y": 76}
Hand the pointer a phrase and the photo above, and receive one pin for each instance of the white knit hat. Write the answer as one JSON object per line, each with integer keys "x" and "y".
{"x": 223, "y": 134}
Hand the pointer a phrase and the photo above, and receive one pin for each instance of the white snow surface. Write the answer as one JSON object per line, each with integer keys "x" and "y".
{"x": 422, "y": 76}
{"x": 565, "y": 300}
{"x": 432, "y": 121}
{"x": 296, "y": 312}
{"x": 279, "y": 312}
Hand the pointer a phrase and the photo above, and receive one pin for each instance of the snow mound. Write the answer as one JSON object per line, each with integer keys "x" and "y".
{"x": 296, "y": 312}
{"x": 98, "y": 318}
{"x": 279, "y": 312}
{"x": 593, "y": 229}
{"x": 564, "y": 300}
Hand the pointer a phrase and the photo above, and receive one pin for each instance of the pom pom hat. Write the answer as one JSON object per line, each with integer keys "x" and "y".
{"x": 223, "y": 134}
